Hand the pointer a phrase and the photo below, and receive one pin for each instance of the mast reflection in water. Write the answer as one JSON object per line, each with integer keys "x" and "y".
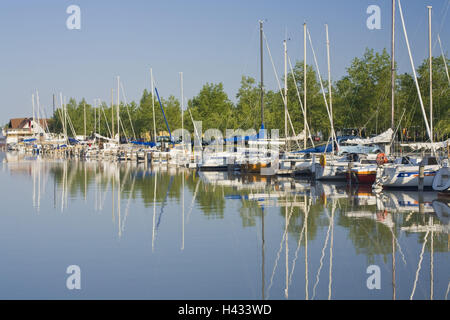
{"x": 139, "y": 232}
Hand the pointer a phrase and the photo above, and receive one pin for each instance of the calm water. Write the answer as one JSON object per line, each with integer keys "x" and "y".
{"x": 167, "y": 233}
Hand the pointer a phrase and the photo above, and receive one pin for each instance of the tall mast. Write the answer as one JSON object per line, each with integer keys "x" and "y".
{"x": 63, "y": 115}
{"x": 182, "y": 108}
{"x": 262, "y": 123}
{"x": 153, "y": 106}
{"x": 112, "y": 114}
{"x": 431, "y": 71}
{"x": 262, "y": 74}
{"x": 38, "y": 110}
{"x": 95, "y": 117}
{"x": 100, "y": 116}
{"x": 304, "y": 82}
{"x": 329, "y": 85}
{"x": 285, "y": 95}
{"x": 84, "y": 111}
{"x": 32, "y": 101}
{"x": 393, "y": 65}
{"x": 118, "y": 110}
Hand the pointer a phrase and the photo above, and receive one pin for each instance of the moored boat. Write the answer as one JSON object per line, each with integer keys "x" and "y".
{"x": 406, "y": 173}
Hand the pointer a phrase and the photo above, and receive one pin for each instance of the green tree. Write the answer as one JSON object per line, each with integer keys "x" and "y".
{"x": 213, "y": 108}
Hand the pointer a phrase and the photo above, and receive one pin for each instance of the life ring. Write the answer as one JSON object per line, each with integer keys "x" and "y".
{"x": 381, "y": 159}
{"x": 323, "y": 160}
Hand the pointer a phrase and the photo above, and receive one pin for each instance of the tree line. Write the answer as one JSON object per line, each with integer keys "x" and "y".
{"x": 361, "y": 100}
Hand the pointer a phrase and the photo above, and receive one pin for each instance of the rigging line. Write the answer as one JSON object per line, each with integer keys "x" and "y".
{"x": 128, "y": 204}
{"x": 128, "y": 110}
{"x": 164, "y": 202}
{"x": 123, "y": 129}
{"x": 442, "y": 21}
{"x": 70, "y": 120}
{"x": 323, "y": 256}
{"x": 333, "y": 209}
{"x": 443, "y": 57}
{"x": 281, "y": 247}
{"x": 333, "y": 133}
{"x": 415, "y": 77}
{"x": 350, "y": 105}
{"x": 419, "y": 266}
{"x": 154, "y": 212}
{"x": 307, "y": 129}
{"x": 398, "y": 245}
{"x": 386, "y": 90}
{"x": 375, "y": 243}
{"x": 106, "y": 120}
{"x": 298, "y": 244}
{"x": 193, "y": 200}
{"x": 448, "y": 289}
{"x": 195, "y": 127}
{"x": 279, "y": 87}
{"x": 296, "y": 252}
{"x": 398, "y": 126}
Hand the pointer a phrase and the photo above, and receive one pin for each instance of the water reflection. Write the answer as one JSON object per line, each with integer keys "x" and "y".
{"x": 287, "y": 238}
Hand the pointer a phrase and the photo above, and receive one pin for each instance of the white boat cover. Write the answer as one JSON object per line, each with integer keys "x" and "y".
{"x": 384, "y": 137}
{"x": 426, "y": 145}
{"x": 300, "y": 136}
{"x": 106, "y": 138}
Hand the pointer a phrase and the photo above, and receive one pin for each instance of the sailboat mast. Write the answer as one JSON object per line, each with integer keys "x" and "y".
{"x": 285, "y": 95}
{"x": 329, "y": 85}
{"x": 38, "y": 111}
{"x": 95, "y": 116}
{"x": 32, "y": 101}
{"x": 182, "y": 107}
{"x": 118, "y": 110}
{"x": 153, "y": 106}
{"x": 84, "y": 111}
{"x": 431, "y": 71}
{"x": 393, "y": 65}
{"x": 262, "y": 74}
{"x": 112, "y": 114}
{"x": 304, "y": 83}
{"x": 63, "y": 106}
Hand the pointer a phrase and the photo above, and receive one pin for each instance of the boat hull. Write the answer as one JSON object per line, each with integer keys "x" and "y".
{"x": 407, "y": 177}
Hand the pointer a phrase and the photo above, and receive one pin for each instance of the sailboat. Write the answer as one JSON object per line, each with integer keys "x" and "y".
{"x": 180, "y": 154}
{"x": 255, "y": 159}
{"x": 328, "y": 168}
{"x": 420, "y": 173}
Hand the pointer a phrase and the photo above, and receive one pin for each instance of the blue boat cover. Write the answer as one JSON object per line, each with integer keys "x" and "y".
{"x": 141, "y": 143}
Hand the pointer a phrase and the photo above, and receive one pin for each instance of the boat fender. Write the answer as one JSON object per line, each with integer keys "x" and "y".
{"x": 381, "y": 159}
{"x": 323, "y": 160}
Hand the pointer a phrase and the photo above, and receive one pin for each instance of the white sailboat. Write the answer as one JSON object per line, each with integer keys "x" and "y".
{"x": 409, "y": 174}
{"x": 403, "y": 175}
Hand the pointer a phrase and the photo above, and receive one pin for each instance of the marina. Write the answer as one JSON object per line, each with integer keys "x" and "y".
{"x": 304, "y": 184}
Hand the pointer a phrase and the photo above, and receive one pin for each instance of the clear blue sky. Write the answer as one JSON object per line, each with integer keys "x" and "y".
{"x": 208, "y": 40}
